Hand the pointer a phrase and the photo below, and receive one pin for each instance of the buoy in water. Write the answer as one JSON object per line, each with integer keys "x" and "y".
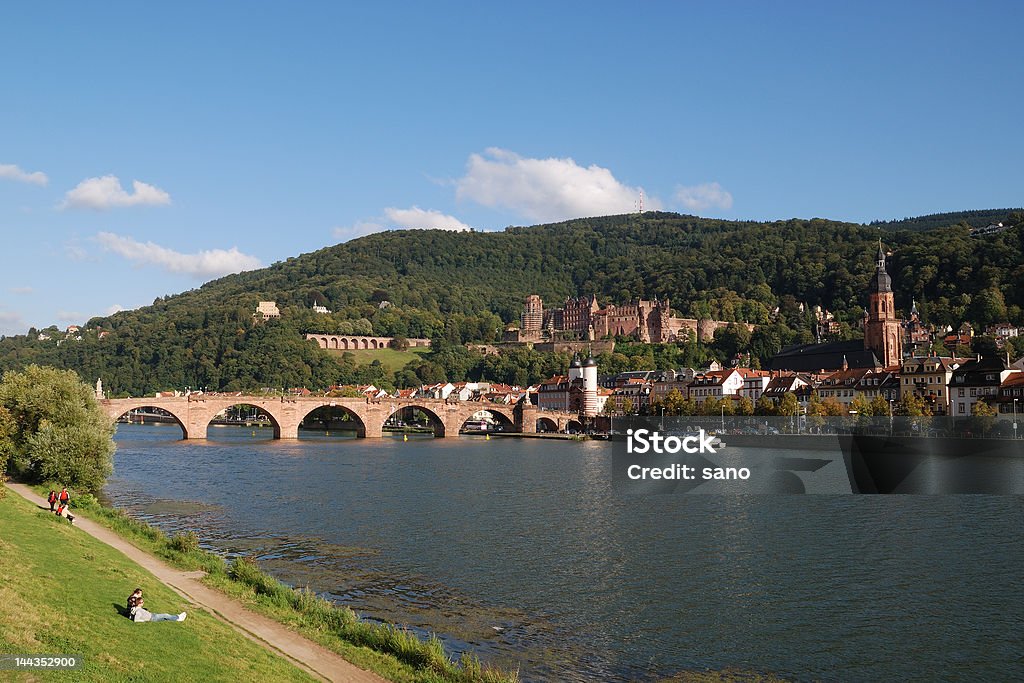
{"x": 487, "y": 437}
{"x": 405, "y": 437}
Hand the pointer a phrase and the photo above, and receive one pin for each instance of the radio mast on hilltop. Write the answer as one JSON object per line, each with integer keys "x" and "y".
{"x": 641, "y": 201}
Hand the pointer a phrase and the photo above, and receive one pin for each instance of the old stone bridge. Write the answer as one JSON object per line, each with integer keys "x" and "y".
{"x": 195, "y": 412}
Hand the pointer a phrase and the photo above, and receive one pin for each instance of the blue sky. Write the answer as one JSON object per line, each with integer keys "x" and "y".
{"x": 147, "y": 149}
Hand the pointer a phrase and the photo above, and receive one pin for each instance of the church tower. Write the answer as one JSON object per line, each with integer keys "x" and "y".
{"x": 883, "y": 333}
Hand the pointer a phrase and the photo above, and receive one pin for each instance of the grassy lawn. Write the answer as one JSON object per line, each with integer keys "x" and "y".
{"x": 391, "y": 652}
{"x": 390, "y": 358}
{"x": 60, "y": 593}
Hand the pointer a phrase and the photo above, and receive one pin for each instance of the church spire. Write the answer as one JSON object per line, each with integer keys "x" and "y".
{"x": 881, "y": 283}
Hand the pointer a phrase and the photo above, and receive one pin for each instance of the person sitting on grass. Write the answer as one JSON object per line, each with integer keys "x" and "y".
{"x": 138, "y": 613}
{"x": 64, "y": 511}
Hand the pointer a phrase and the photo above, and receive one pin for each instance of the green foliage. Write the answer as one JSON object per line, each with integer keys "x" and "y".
{"x": 55, "y": 428}
{"x": 789, "y": 405}
{"x": 974, "y": 219}
{"x": 185, "y": 542}
{"x": 456, "y": 288}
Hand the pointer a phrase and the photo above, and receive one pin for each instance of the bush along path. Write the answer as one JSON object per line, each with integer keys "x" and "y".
{"x": 303, "y": 652}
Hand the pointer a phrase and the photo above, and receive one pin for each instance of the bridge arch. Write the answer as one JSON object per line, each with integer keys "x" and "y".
{"x": 573, "y": 426}
{"x": 258, "y": 417}
{"x": 546, "y": 424}
{"x": 497, "y": 416}
{"x": 435, "y": 420}
{"x": 332, "y": 417}
{"x": 143, "y": 406}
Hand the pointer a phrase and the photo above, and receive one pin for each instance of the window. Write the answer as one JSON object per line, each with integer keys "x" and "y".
{"x": 974, "y": 392}
{"x": 961, "y": 408}
{"x": 961, "y": 393}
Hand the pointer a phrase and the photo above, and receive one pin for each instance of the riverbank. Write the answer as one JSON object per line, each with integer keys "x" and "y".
{"x": 62, "y": 592}
{"x": 558, "y": 436}
{"x": 271, "y": 609}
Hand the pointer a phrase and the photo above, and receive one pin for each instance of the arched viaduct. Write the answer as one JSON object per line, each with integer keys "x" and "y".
{"x": 195, "y": 412}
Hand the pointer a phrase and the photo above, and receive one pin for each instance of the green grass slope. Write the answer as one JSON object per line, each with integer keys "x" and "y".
{"x": 60, "y": 593}
{"x": 391, "y": 359}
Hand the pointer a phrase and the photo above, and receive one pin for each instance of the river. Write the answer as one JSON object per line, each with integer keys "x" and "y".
{"x": 520, "y": 550}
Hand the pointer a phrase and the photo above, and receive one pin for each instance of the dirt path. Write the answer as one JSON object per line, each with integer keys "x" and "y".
{"x": 306, "y": 654}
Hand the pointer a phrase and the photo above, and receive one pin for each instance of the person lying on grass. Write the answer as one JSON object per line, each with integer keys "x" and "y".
{"x": 138, "y": 613}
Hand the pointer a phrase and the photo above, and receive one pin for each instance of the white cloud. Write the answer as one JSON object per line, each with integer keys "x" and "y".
{"x": 12, "y": 172}
{"x": 75, "y": 252}
{"x": 106, "y": 193}
{"x": 12, "y": 323}
{"x": 415, "y": 217}
{"x": 21, "y": 290}
{"x": 546, "y": 189}
{"x": 205, "y": 264}
{"x": 703, "y": 196}
{"x": 112, "y": 309}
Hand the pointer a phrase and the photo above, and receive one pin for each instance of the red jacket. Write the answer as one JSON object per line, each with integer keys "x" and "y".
{"x": 64, "y": 496}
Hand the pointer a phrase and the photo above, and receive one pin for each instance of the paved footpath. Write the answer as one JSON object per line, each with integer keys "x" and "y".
{"x": 303, "y": 652}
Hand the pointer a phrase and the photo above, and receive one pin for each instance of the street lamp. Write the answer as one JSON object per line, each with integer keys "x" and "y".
{"x": 723, "y": 415}
{"x": 1015, "y": 418}
{"x": 890, "y": 417}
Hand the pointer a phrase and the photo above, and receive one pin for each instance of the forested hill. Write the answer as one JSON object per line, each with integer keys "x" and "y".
{"x": 465, "y": 286}
{"x": 972, "y": 219}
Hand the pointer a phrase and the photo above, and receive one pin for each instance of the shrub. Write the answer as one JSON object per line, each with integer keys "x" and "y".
{"x": 186, "y": 542}
{"x": 52, "y": 427}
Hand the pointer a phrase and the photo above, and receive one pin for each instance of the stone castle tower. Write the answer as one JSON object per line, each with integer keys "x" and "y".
{"x": 883, "y": 333}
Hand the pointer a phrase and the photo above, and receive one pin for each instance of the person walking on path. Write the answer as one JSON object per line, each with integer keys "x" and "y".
{"x": 138, "y": 613}
{"x": 64, "y": 496}
{"x": 52, "y": 500}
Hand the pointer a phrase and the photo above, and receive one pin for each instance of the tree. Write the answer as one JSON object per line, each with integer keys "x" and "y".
{"x": 712, "y": 405}
{"x": 880, "y": 406}
{"x": 57, "y": 430}
{"x": 765, "y": 406}
{"x": 745, "y": 406}
{"x": 832, "y": 407}
{"x": 789, "y": 405}
{"x": 989, "y": 307}
{"x": 627, "y": 406}
{"x": 913, "y": 405}
{"x": 983, "y": 416}
{"x": 985, "y": 346}
{"x": 674, "y": 402}
{"x": 7, "y": 429}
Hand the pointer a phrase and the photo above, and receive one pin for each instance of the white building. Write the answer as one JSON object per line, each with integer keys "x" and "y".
{"x": 267, "y": 310}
